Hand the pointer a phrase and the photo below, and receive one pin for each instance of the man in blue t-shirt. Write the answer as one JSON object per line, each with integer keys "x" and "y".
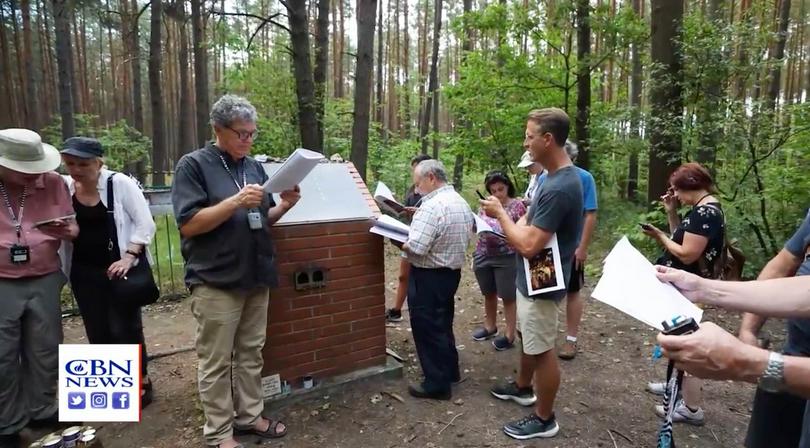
{"x": 555, "y": 211}
{"x": 782, "y": 420}
{"x": 574, "y": 305}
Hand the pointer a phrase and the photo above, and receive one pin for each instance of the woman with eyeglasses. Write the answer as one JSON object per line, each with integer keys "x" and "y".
{"x": 695, "y": 246}
{"x": 224, "y": 216}
{"x": 494, "y": 265}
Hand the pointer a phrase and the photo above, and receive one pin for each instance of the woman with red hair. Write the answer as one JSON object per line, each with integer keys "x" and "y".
{"x": 695, "y": 246}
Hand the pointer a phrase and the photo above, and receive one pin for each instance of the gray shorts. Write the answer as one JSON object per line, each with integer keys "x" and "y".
{"x": 497, "y": 275}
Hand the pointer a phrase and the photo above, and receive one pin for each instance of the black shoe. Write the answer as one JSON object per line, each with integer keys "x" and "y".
{"x": 482, "y": 334}
{"x": 532, "y": 426}
{"x": 10, "y": 441}
{"x": 148, "y": 394}
{"x": 502, "y": 343}
{"x": 418, "y": 391}
{"x": 51, "y": 422}
{"x": 393, "y": 315}
{"x": 523, "y": 396}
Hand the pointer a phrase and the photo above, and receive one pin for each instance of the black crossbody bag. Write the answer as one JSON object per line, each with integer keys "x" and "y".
{"x": 137, "y": 288}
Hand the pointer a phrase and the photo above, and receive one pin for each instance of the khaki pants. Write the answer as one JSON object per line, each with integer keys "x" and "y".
{"x": 30, "y": 334}
{"x": 231, "y": 328}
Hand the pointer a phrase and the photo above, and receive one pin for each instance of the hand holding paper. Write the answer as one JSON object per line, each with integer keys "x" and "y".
{"x": 629, "y": 284}
{"x": 297, "y": 166}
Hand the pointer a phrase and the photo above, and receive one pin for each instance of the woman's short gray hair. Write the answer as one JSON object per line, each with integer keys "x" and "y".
{"x": 231, "y": 108}
{"x": 426, "y": 167}
{"x": 572, "y": 150}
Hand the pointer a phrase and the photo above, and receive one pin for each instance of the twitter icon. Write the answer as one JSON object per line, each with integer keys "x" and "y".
{"x": 76, "y": 400}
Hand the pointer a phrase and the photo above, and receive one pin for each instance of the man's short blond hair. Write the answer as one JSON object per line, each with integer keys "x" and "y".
{"x": 552, "y": 120}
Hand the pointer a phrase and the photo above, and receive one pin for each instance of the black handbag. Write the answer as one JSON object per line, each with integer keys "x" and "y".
{"x": 137, "y": 288}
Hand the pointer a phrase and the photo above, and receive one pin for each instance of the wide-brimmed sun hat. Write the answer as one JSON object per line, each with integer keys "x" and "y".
{"x": 22, "y": 150}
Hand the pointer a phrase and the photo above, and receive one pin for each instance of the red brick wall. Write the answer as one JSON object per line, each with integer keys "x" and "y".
{"x": 335, "y": 329}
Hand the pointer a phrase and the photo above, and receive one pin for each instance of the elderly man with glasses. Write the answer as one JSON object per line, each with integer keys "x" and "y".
{"x": 224, "y": 217}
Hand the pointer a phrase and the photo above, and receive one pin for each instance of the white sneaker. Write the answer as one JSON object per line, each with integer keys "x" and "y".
{"x": 657, "y": 388}
{"x": 683, "y": 414}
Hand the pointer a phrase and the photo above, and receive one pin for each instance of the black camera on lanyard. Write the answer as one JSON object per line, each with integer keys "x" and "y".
{"x": 677, "y": 326}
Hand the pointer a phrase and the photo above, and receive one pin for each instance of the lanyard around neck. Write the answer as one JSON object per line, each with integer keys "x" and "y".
{"x": 15, "y": 220}
{"x": 230, "y": 174}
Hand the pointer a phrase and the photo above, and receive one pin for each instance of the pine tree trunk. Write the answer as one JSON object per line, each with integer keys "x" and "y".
{"x": 778, "y": 56}
{"x": 336, "y": 68}
{"x": 156, "y": 95}
{"x": 466, "y": 49}
{"x": 321, "y": 64}
{"x": 186, "y": 120}
{"x": 34, "y": 120}
{"x": 406, "y": 72}
{"x": 22, "y": 79}
{"x": 366, "y": 15}
{"x": 709, "y": 113}
{"x": 378, "y": 106}
{"x": 666, "y": 76}
{"x": 340, "y": 91}
{"x": 200, "y": 74}
{"x": 116, "y": 112}
{"x": 61, "y": 13}
{"x": 76, "y": 68}
{"x": 9, "y": 109}
{"x": 433, "y": 81}
{"x": 46, "y": 62}
{"x": 304, "y": 84}
{"x": 137, "y": 87}
{"x": 635, "y": 112}
{"x": 88, "y": 103}
{"x": 583, "y": 81}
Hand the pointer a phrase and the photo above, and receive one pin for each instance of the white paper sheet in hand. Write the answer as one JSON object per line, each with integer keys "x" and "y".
{"x": 482, "y": 226}
{"x": 389, "y": 227}
{"x": 629, "y": 284}
{"x": 297, "y": 166}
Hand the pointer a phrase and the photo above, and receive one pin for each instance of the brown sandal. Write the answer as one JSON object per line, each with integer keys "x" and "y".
{"x": 272, "y": 431}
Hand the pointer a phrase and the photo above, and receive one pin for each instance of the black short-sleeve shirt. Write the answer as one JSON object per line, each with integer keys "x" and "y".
{"x": 704, "y": 220}
{"x": 231, "y": 256}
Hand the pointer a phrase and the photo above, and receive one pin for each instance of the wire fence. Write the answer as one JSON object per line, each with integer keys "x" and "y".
{"x": 168, "y": 266}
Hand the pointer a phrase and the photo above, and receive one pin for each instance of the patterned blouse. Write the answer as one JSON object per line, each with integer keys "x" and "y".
{"x": 490, "y": 245}
{"x": 704, "y": 220}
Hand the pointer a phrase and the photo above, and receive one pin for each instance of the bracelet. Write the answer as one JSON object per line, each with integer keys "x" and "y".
{"x": 133, "y": 253}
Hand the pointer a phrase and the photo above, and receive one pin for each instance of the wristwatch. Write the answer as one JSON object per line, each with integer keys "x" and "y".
{"x": 773, "y": 379}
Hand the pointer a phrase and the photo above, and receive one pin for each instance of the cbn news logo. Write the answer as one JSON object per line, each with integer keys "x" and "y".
{"x": 99, "y": 383}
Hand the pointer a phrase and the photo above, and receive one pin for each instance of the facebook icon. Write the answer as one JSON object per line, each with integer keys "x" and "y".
{"x": 120, "y": 400}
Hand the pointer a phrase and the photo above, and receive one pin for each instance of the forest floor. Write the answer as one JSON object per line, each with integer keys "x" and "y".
{"x": 601, "y": 403}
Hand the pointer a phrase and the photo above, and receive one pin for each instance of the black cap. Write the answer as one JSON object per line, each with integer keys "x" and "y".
{"x": 82, "y": 147}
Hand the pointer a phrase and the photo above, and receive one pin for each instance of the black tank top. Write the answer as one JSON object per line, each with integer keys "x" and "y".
{"x": 90, "y": 248}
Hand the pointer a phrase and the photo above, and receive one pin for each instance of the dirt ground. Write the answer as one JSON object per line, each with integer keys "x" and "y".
{"x": 601, "y": 403}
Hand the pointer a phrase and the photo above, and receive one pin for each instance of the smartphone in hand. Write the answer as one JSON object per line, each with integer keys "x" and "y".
{"x": 52, "y": 220}
{"x": 645, "y": 226}
{"x": 480, "y": 195}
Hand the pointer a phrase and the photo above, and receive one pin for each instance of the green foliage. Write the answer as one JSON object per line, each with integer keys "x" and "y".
{"x": 122, "y": 143}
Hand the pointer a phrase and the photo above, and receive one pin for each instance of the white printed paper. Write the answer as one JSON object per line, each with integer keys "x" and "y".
{"x": 297, "y": 166}
{"x": 544, "y": 272}
{"x": 389, "y": 227}
{"x": 481, "y": 226}
{"x": 629, "y": 284}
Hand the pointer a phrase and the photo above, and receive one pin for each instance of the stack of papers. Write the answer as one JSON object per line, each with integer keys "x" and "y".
{"x": 297, "y": 166}
{"x": 389, "y": 227}
{"x": 629, "y": 284}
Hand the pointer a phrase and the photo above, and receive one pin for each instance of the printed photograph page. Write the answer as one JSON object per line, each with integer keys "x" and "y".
{"x": 544, "y": 272}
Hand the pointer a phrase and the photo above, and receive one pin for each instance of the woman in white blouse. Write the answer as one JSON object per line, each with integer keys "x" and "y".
{"x": 95, "y": 258}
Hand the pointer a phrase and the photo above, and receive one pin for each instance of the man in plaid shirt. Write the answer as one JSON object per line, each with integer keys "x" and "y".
{"x": 436, "y": 246}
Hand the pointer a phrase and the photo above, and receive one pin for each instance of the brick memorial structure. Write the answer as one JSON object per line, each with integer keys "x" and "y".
{"x": 327, "y": 317}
